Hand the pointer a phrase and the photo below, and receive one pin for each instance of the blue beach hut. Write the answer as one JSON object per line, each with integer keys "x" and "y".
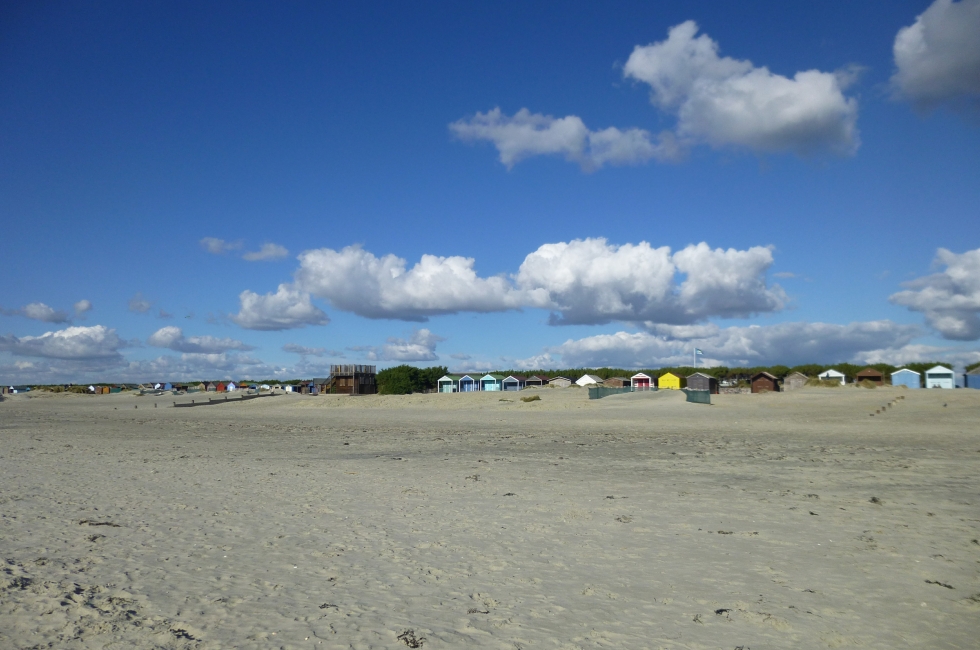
{"x": 972, "y": 379}
{"x": 907, "y": 378}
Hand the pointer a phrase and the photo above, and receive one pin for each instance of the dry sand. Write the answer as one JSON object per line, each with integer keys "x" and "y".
{"x": 448, "y": 521}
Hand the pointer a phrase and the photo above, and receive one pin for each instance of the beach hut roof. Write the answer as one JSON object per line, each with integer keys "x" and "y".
{"x": 517, "y": 377}
{"x": 938, "y": 369}
{"x": 869, "y": 372}
{"x": 450, "y": 377}
{"x": 700, "y": 374}
{"x": 831, "y": 373}
{"x": 901, "y": 370}
{"x": 763, "y": 374}
{"x": 641, "y": 374}
{"x": 491, "y": 375}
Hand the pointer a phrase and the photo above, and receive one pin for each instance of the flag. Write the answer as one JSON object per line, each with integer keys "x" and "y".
{"x": 697, "y": 351}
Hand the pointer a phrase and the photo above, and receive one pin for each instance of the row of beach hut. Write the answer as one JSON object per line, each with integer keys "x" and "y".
{"x": 475, "y": 382}
{"x": 938, "y": 377}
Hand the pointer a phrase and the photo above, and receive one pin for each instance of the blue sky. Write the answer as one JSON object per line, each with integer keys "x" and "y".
{"x": 245, "y": 189}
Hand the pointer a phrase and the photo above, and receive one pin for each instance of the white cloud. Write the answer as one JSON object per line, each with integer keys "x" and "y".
{"x": 536, "y": 362}
{"x": 173, "y": 338}
{"x": 356, "y": 281}
{"x": 722, "y": 101}
{"x": 217, "y": 246}
{"x": 950, "y": 299}
{"x": 785, "y": 343}
{"x": 82, "y": 306}
{"x": 303, "y": 350}
{"x": 590, "y": 281}
{"x": 583, "y": 282}
{"x": 459, "y": 356}
{"x": 138, "y": 304}
{"x": 287, "y": 308}
{"x": 421, "y": 346}
{"x": 529, "y": 134}
{"x": 268, "y": 251}
{"x": 72, "y": 343}
{"x": 937, "y": 58}
{"x": 726, "y": 283}
{"x": 40, "y": 311}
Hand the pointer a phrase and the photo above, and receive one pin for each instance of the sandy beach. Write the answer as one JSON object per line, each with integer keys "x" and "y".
{"x": 789, "y": 520}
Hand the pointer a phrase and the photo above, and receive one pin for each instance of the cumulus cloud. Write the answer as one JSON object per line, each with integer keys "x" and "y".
{"x": 356, "y": 281}
{"x": 217, "y": 246}
{"x": 72, "y": 343}
{"x": 173, "y": 338}
{"x": 527, "y": 134}
{"x": 586, "y": 281}
{"x": 590, "y": 281}
{"x": 138, "y": 304}
{"x": 722, "y": 101}
{"x": 421, "y": 346}
{"x": 937, "y": 58}
{"x": 303, "y": 350}
{"x": 287, "y": 308}
{"x": 268, "y": 251}
{"x": 950, "y": 299}
{"x": 82, "y": 306}
{"x": 786, "y": 343}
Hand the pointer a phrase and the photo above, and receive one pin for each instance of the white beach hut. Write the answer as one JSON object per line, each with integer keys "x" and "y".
{"x": 642, "y": 381}
{"x": 833, "y": 375}
{"x": 588, "y": 380}
{"x": 939, "y": 377}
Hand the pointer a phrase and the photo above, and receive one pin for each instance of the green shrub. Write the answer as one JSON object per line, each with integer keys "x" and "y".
{"x": 532, "y": 398}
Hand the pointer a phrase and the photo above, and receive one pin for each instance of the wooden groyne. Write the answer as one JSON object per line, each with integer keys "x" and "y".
{"x": 212, "y": 402}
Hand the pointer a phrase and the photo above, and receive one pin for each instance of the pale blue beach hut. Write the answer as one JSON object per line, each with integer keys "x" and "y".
{"x": 468, "y": 384}
{"x": 491, "y": 382}
{"x": 448, "y": 384}
{"x": 907, "y": 378}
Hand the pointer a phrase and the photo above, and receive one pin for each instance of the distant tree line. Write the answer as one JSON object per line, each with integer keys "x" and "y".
{"x": 402, "y": 380}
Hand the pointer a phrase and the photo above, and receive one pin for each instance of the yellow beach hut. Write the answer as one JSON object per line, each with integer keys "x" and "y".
{"x": 669, "y": 381}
